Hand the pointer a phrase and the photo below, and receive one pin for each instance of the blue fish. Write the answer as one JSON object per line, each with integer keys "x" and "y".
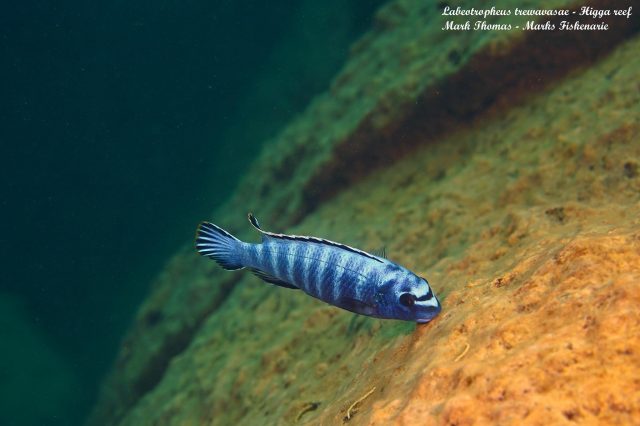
{"x": 335, "y": 273}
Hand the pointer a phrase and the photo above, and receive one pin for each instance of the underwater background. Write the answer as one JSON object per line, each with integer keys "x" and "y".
{"x": 501, "y": 165}
{"x": 123, "y": 125}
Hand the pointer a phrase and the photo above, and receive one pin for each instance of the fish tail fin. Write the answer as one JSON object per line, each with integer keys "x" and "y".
{"x": 219, "y": 245}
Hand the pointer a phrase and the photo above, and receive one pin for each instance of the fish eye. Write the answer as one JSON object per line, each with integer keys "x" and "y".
{"x": 407, "y": 299}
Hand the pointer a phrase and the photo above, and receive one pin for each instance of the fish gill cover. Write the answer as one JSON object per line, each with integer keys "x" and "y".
{"x": 502, "y": 165}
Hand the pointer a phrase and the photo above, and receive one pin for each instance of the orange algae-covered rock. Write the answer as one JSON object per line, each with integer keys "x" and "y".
{"x": 524, "y": 219}
{"x": 559, "y": 345}
{"x": 531, "y": 237}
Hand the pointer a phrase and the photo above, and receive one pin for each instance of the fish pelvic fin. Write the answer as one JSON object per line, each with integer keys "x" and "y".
{"x": 219, "y": 245}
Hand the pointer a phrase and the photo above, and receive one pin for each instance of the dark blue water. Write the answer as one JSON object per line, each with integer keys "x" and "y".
{"x": 122, "y": 125}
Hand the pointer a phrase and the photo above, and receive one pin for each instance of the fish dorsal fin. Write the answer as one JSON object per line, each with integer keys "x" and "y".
{"x": 254, "y": 222}
{"x": 266, "y": 235}
{"x": 381, "y": 252}
{"x": 272, "y": 280}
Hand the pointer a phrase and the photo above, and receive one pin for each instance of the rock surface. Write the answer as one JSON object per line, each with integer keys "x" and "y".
{"x": 521, "y": 209}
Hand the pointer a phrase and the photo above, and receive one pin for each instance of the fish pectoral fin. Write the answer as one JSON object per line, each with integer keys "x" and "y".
{"x": 272, "y": 280}
{"x": 357, "y": 306}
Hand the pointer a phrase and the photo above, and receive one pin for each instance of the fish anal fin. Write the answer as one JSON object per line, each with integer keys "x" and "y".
{"x": 355, "y": 305}
{"x": 272, "y": 280}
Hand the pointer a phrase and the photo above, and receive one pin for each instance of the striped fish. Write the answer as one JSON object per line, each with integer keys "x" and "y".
{"x": 335, "y": 273}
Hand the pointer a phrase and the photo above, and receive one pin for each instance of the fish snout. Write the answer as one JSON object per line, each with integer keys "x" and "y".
{"x": 429, "y": 312}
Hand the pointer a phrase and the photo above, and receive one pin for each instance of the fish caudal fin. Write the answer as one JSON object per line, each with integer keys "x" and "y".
{"x": 219, "y": 245}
